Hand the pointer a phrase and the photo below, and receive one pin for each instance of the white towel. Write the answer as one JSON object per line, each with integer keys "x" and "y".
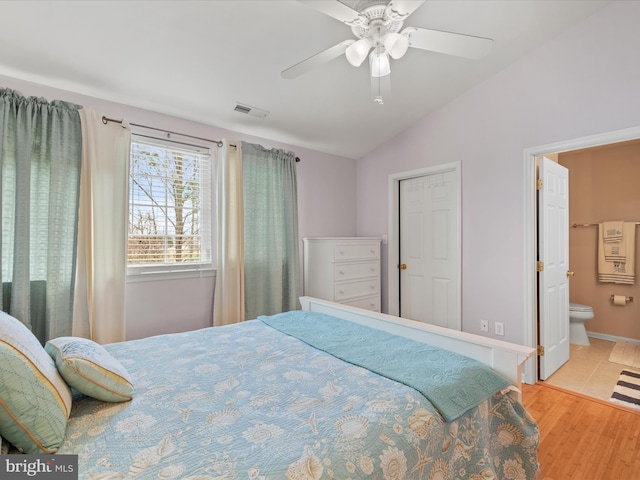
{"x": 618, "y": 271}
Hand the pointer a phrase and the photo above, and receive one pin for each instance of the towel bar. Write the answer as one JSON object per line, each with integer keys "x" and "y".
{"x": 576, "y": 225}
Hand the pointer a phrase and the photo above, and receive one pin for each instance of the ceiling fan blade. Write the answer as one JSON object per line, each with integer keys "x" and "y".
{"x": 401, "y": 9}
{"x": 316, "y": 60}
{"x": 337, "y": 10}
{"x": 457, "y": 44}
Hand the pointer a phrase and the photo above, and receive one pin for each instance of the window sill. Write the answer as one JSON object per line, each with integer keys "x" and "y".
{"x": 170, "y": 275}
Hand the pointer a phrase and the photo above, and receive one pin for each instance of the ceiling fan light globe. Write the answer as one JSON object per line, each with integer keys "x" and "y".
{"x": 379, "y": 63}
{"x": 396, "y": 45}
{"x": 357, "y": 52}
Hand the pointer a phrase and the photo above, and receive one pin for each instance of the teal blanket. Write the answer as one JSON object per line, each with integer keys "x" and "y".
{"x": 453, "y": 383}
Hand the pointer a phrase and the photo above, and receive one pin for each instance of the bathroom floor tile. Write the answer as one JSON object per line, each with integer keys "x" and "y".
{"x": 588, "y": 370}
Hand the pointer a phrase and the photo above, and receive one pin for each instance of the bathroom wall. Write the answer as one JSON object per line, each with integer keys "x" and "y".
{"x": 603, "y": 185}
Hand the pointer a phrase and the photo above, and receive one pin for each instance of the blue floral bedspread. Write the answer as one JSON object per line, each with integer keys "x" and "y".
{"x": 250, "y": 402}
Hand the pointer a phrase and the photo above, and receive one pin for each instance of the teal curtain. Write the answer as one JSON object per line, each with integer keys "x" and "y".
{"x": 40, "y": 155}
{"x": 271, "y": 251}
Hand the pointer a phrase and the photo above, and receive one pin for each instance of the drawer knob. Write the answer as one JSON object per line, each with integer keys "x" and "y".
{"x": 341, "y": 272}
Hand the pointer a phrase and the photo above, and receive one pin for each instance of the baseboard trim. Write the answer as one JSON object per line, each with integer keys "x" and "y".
{"x": 612, "y": 338}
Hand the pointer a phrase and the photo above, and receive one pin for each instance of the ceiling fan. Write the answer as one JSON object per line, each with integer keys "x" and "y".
{"x": 377, "y": 26}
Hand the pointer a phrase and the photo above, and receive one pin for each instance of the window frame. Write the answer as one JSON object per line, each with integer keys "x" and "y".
{"x": 153, "y": 272}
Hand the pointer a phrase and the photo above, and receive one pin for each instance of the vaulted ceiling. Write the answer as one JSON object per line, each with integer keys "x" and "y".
{"x": 198, "y": 59}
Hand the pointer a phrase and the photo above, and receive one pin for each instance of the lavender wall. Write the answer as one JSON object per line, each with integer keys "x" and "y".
{"x": 326, "y": 207}
{"x": 584, "y": 82}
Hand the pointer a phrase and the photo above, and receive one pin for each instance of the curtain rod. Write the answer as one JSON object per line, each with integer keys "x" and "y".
{"x": 576, "y": 225}
{"x": 106, "y": 120}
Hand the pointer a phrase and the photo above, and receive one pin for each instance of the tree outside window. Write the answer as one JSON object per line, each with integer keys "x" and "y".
{"x": 169, "y": 192}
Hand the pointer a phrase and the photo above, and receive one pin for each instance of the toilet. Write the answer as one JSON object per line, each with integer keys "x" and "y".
{"x": 578, "y": 315}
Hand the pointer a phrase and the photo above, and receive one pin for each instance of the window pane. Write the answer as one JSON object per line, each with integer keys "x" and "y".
{"x": 169, "y": 205}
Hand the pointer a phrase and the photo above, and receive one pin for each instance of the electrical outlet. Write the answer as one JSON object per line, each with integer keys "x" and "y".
{"x": 499, "y": 328}
{"x": 484, "y": 325}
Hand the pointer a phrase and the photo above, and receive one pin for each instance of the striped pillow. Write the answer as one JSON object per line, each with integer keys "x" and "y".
{"x": 34, "y": 399}
{"x": 90, "y": 369}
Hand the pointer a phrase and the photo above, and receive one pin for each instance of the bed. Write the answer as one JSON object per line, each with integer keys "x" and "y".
{"x": 328, "y": 392}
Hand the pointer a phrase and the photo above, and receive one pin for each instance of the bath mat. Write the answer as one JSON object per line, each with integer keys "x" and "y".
{"x": 626, "y": 353}
{"x": 627, "y": 390}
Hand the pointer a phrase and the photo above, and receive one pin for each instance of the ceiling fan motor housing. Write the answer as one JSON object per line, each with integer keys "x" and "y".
{"x": 376, "y": 23}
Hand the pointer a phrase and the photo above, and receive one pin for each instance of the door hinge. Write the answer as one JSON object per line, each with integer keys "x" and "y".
{"x": 540, "y": 266}
{"x": 540, "y": 351}
{"x": 539, "y": 184}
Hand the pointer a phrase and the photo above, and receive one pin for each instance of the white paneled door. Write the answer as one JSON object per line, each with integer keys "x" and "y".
{"x": 429, "y": 254}
{"x": 553, "y": 278}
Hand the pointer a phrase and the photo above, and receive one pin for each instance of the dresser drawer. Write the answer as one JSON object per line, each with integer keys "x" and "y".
{"x": 369, "y": 303}
{"x": 356, "y": 289}
{"x": 355, "y": 251}
{"x": 350, "y": 271}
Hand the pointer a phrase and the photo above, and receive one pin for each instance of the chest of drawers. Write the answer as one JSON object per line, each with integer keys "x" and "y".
{"x": 344, "y": 270}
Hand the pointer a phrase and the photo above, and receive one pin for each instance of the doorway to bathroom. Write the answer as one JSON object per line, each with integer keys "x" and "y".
{"x": 535, "y": 319}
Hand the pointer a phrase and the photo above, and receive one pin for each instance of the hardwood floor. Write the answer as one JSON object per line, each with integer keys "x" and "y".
{"x": 583, "y": 438}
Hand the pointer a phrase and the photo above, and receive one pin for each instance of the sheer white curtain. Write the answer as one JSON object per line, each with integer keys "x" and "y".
{"x": 228, "y": 306}
{"x": 99, "y": 303}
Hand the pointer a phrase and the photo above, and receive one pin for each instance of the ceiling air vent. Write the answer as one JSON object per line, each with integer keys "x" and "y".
{"x": 253, "y": 111}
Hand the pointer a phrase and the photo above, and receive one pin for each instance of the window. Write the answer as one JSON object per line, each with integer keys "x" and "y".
{"x": 170, "y": 209}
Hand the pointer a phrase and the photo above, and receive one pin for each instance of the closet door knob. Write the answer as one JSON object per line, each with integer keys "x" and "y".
{"x": 403, "y": 266}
